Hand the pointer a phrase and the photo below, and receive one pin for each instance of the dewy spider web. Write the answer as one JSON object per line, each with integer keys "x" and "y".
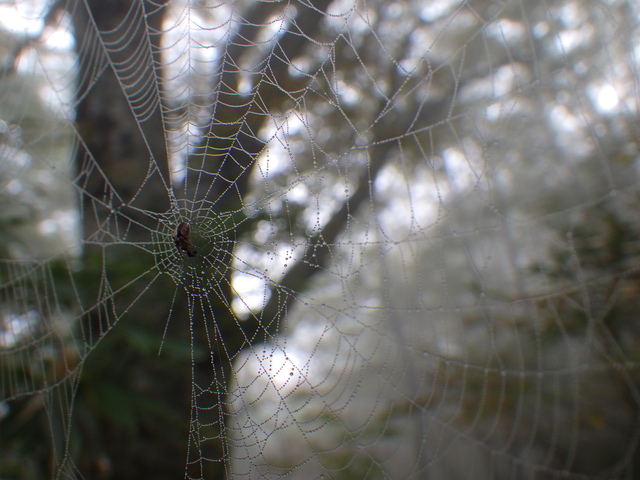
{"x": 416, "y": 232}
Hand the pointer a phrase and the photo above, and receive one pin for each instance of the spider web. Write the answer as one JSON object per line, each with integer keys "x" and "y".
{"x": 416, "y": 234}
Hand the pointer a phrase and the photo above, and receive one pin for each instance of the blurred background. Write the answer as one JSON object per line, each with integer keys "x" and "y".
{"x": 416, "y": 227}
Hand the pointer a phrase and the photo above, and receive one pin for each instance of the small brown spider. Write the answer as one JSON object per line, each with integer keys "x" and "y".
{"x": 181, "y": 240}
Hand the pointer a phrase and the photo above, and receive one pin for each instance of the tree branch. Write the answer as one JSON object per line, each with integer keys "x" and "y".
{"x": 232, "y": 138}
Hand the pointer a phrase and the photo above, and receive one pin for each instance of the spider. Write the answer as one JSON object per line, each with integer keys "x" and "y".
{"x": 181, "y": 240}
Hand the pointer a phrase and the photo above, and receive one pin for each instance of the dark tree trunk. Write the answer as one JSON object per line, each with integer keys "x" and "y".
{"x": 122, "y": 154}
